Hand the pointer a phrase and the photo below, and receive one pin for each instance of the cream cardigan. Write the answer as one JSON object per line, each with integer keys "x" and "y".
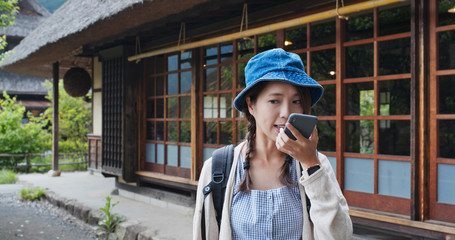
{"x": 329, "y": 210}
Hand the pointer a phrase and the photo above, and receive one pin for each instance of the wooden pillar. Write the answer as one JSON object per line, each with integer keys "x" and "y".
{"x": 55, "y": 95}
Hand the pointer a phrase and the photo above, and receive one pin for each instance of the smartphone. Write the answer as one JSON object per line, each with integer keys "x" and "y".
{"x": 303, "y": 122}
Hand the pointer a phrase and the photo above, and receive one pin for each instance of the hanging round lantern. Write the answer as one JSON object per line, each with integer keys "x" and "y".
{"x": 77, "y": 82}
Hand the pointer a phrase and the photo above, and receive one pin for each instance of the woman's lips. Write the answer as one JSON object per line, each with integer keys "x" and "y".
{"x": 278, "y": 127}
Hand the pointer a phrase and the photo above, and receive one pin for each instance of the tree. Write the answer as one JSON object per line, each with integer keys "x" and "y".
{"x": 75, "y": 120}
{"x": 8, "y": 11}
{"x": 17, "y": 137}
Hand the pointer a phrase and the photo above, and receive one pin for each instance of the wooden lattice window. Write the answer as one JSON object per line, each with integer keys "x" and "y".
{"x": 113, "y": 77}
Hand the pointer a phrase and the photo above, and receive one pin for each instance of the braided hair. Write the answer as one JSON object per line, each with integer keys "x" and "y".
{"x": 285, "y": 176}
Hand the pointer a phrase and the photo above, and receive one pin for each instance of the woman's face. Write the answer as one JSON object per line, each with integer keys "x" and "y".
{"x": 273, "y": 106}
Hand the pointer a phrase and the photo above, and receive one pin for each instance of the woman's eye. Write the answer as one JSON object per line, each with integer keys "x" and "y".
{"x": 273, "y": 101}
{"x": 297, "y": 101}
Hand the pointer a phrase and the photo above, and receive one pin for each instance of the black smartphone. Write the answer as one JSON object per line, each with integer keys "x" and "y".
{"x": 303, "y": 122}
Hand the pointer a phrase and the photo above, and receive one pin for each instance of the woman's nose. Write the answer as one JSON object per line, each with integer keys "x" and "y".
{"x": 285, "y": 111}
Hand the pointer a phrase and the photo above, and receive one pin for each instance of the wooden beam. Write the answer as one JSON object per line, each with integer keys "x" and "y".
{"x": 270, "y": 28}
{"x": 55, "y": 112}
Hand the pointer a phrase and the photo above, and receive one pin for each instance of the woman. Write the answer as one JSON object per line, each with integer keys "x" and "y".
{"x": 272, "y": 176}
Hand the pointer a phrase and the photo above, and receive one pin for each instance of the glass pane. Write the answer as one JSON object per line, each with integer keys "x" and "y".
{"x": 185, "y": 107}
{"x": 172, "y": 107}
{"x": 446, "y": 181}
{"x": 266, "y": 42}
{"x": 172, "y": 131}
{"x": 150, "y": 132}
{"x": 446, "y": 138}
{"x": 446, "y": 49}
{"x": 296, "y": 38}
{"x": 226, "y": 77}
{"x": 241, "y": 75}
{"x": 185, "y": 82}
{"x": 226, "y": 105}
{"x": 159, "y": 86}
{"x": 185, "y": 156}
{"x": 360, "y": 99}
{"x": 185, "y": 131}
{"x": 242, "y": 130}
{"x": 210, "y": 106}
{"x": 394, "y": 137}
{"x": 208, "y": 152}
{"x": 150, "y": 87}
{"x": 245, "y": 48}
{"x": 226, "y": 53}
{"x": 159, "y": 108}
{"x": 446, "y": 94}
{"x": 323, "y": 65}
{"x": 172, "y": 62}
{"x": 395, "y": 97}
{"x": 360, "y": 136}
{"x": 360, "y": 27}
{"x": 210, "y": 79}
{"x": 394, "y": 56}
{"x": 333, "y": 163}
{"x": 185, "y": 60}
{"x": 394, "y": 178}
{"x": 160, "y": 153}
{"x": 226, "y": 133}
{"x": 444, "y": 17}
{"x": 303, "y": 57}
{"x": 211, "y": 55}
{"x": 359, "y": 61}
{"x": 210, "y": 132}
{"x": 323, "y": 33}
{"x": 327, "y": 135}
{"x": 359, "y": 175}
{"x": 160, "y": 131}
{"x": 160, "y": 64}
{"x": 150, "y": 152}
{"x": 172, "y": 84}
{"x": 327, "y": 104}
{"x": 150, "y": 108}
{"x": 394, "y": 20}
{"x": 172, "y": 155}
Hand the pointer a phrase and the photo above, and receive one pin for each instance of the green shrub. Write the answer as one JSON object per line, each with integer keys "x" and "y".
{"x": 109, "y": 220}
{"x": 32, "y": 193}
{"x": 7, "y": 177}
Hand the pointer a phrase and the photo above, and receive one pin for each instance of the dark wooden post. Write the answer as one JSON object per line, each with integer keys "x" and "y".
{"x": 55, "y": 95}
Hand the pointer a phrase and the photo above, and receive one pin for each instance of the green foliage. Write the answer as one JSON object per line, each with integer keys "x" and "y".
{"x": 74, "y": 120}
{"x": 8, "y": 11}
{"x": 32, "y": 194}
{"x": 7, "y": 177}
{"x": 16, "y": 137}
{"x": 110, "y": 220}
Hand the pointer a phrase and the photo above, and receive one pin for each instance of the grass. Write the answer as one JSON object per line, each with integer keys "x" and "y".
{"x": 7, "y": 177}
{"x": 32, "y": 193}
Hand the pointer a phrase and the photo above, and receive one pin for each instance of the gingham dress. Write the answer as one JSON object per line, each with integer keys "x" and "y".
{"x": 266, "y": 214}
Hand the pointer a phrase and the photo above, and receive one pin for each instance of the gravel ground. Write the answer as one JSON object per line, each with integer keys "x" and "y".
{"x": 39, "y": 220}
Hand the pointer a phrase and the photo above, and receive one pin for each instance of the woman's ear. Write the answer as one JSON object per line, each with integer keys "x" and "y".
{"x": 250, "y": 105}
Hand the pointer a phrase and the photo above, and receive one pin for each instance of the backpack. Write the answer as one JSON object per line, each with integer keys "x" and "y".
{"x": 222, "y": 159}
{"x": 221, "y": 167}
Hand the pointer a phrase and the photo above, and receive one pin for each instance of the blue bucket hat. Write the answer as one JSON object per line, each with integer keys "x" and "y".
{"x": 278, "y": 65}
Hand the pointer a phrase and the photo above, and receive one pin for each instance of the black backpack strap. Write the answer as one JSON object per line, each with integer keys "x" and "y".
{"x": 221, "y": 167}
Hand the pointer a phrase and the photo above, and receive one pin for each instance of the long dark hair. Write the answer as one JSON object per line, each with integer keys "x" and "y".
{"x": 285, "y": 177}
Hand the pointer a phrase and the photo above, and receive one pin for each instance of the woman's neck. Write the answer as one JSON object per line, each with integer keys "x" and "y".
{"x": 266, "y": 149}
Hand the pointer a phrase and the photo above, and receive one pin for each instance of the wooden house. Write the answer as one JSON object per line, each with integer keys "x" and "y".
{"x": 27, "y": 89}
{"x": 165, "y": 74}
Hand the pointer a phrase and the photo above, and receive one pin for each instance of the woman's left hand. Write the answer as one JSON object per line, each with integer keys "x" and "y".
{"x": 302, "y": 149}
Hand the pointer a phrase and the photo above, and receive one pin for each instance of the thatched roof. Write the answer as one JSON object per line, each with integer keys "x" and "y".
{"x": 21, "y": 84}
{"x": 30, "y": 15}
{"x": 62, "y": 36}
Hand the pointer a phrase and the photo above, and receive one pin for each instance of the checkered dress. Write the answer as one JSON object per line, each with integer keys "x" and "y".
{"x": 266, "y": 214}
